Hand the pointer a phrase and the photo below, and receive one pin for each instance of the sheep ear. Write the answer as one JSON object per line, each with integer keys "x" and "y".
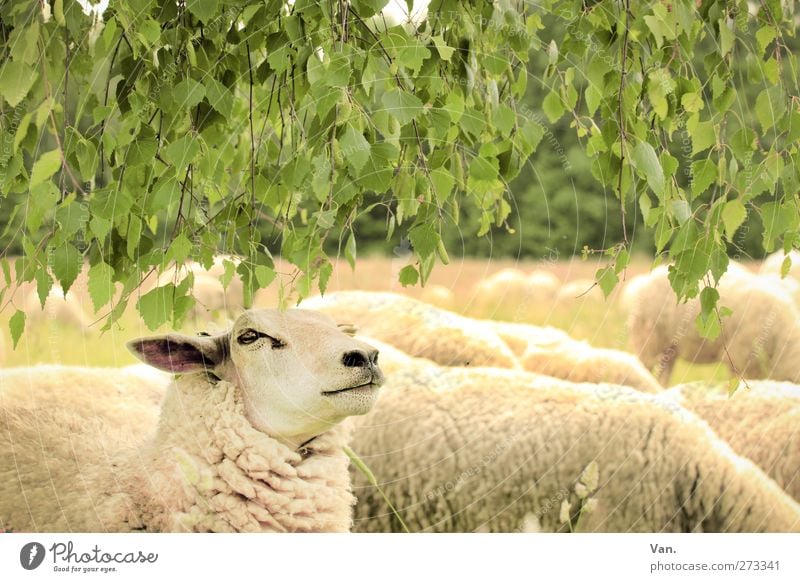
{"x": 180, "y": 354}
{"x": 348, "y": 328}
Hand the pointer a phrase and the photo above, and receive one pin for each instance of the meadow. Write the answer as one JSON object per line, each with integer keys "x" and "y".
{"x": 601, "y": 322}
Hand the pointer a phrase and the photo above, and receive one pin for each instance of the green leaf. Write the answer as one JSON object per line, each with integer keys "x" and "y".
{"x": 17, "y": 325}
{"x": 707, "y": 322}
{"x": 661, "y": 24}
{"x": 553, "y": 107}
{"x": 484, "y": 168}
{"x": 101, "y": 284}
{"x": 727, "y": 38}
{"x": 412, "y": 54}
{"x": 778, "y": 218}
{"x": 443, "y": 182}
{"x": 202, "y": 9}
{"x": 133, "y": 236}
{"x": 646, "y": 162}
{"x": 355, "y": 149}
{"x": 264, "y": 275}
{"x": 16, "y": 79}
{"x": 764, "y": 36}
{"x": 404, "y": 106}
{"x": 188, "y": 93}
{"x": 704, "y": 173}
{"x": 182, "y": 152}
{"x": 67, "y": 263}
{"x": 424, "y": 239}
{"x": 692, "y": 102}
{"x": 155, "y": 307}
{"x": 607, "y": 279}
{"x": 350, "y": 250}
{"x": 408, "y": 276}
{"x": 770, "y": 107}
{"x": 219, "y": 97}
{"x": 88, "y": 160}
{"x": 454, "y": 105}
{"x": 703, "y": 137}
{"x": 733, "y": 216}
{"x": 786, "y": 266}
{"x": 48, "y": 164}
{"x": 445, "y": 52}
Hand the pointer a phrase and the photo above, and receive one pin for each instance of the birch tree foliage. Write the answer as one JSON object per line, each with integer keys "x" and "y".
{"x": 148, "y": 134}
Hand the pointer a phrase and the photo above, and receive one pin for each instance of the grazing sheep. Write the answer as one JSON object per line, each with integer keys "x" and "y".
{"x": 761, "y": 423}
{"x": 762, "y": 335}
{"x": 460, "y": 450}
{"x": 771, "y": 267}
{"x": 773, "y": 263}
{"x": 249, "y": 436}
{"x": 417, "y": 328}
{"x": 513, "y": 290}
{"x": 551, "y": 352}
{"x": 438, "y": 296}
{"x": 580, "y": 291}
{"x": 61, "y": 309}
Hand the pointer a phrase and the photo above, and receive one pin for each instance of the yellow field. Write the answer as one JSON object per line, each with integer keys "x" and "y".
{"x": 602, "y": 323}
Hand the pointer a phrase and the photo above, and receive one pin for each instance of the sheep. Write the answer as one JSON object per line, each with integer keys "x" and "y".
{"x": 552, "y": 352}
{"x": 762, "y": 336}
{"x": 250, "y": 435}
{"x": 417, "y": 328}
{"x": 580, "y": 291}
{"x": 771, "y": 270}
{"x": 59, "y": 308}
{"x": 438, "y": 296}
{"x": 513, "y": 290}
{"x": 773, "y": 263}
{"x": 459, "y": 450}
{"x": 761, "y": 422}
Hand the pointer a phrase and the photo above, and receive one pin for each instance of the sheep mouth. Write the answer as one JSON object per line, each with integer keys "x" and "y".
{"x": 366, "y": 385}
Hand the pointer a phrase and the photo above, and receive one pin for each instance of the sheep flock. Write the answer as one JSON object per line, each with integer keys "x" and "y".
{"x": 468, "y": 417}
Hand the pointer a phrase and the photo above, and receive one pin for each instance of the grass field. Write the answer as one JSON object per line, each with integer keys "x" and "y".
{"x": 601, "y": 322}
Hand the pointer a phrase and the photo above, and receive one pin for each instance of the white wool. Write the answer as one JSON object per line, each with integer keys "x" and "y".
{"x": 761, "y": 421}
{"x": 416, "y": 328}
{"x": 762, "y": 336}
{"x": 513, "y": 290}
{"x": 59, "y": 309}
{"x": 552, "y": 352}
{"x": 460, "y": 450}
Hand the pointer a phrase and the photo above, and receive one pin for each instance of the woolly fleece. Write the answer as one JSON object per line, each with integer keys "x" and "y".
{"x": 76, "y": 455}
{"x": 460, "y": 450}
{"x": 761, "y": 423}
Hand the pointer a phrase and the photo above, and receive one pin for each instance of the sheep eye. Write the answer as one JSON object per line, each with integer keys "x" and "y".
{"x": 248, "y": 337}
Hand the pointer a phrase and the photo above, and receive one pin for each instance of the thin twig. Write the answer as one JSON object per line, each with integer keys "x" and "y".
{"x": 621, "y": 116}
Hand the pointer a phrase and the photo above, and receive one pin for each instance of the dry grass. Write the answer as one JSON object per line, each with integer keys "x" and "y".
{"x": 602, "y": 323}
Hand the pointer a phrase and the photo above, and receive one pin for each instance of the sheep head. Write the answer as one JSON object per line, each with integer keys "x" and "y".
{"x": 298, "y": 372}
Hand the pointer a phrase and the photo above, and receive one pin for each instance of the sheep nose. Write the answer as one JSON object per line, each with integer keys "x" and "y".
{"x": 360, "y": 359}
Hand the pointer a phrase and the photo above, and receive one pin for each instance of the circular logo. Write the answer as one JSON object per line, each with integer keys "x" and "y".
{"x": 31, "y": 555}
